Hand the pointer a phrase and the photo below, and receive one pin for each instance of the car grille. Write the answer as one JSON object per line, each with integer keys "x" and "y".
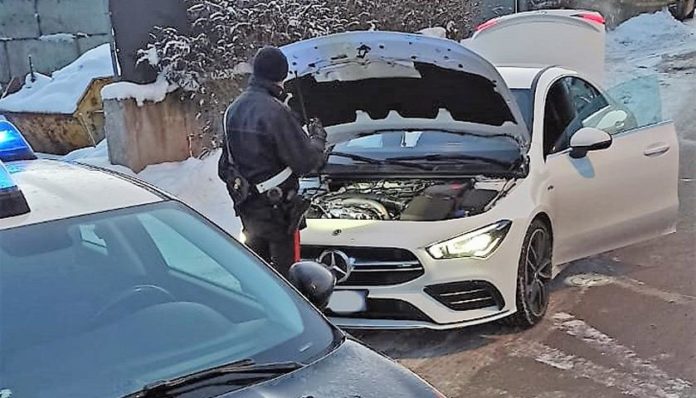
{"x": 465, "y": 296}
{"x": 374, "y": 266}
{"x": 388, "y": 309}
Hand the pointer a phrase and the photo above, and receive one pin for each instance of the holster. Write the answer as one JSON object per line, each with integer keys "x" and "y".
{"x": 295, "y": 210}
{"x": 237, "y": 186}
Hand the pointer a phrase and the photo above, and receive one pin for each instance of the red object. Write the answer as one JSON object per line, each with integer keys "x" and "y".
{"x": 486, "y": 25}
{"x": 592, "y": 17}
{"x": 296, "y": 253}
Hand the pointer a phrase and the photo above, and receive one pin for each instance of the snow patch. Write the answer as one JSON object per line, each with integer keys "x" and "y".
{"x": 150, "y": 56}
{"x": 580, "y": 367}
{"x": 5, "y": 393}
{"x": 437, "y": 31}
{"x": 556, "y": 359}
{"x": 628, "y": 358}
{"x": 243, "y": 68}
{"x": 60, "y": 92}
{"x": 636, "y": 50}
{"x": 194, "y": 181}
{"x": 153, "y": 92}
{"x": 58, "y": 37}
{"x": 649, "y": 34}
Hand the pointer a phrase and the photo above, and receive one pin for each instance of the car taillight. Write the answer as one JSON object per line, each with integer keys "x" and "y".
{"x": 486, "y": 25}
{"x": 592, "y": 17}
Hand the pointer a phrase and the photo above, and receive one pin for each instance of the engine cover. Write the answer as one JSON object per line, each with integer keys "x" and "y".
{"x": 438, "y": 202}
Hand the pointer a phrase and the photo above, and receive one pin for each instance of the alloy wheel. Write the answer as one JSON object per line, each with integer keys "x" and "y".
{"x": 538, "y": 272}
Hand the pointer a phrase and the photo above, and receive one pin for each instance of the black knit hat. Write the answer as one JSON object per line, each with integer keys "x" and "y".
{"x": 271, "y": 64}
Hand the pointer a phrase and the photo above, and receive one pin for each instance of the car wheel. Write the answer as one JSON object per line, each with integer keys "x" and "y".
{"x": 533, "y": 277}
{"x": 684, "y": 9}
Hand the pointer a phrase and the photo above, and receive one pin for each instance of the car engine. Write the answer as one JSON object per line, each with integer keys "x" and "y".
{"x": 405, "y": 200}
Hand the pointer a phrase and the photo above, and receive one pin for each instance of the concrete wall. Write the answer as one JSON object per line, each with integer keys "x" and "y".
{"x": 38, "y": 28}
{"x": 139, "y": 136}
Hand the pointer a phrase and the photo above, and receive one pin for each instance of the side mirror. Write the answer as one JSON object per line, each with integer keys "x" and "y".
{"x": 314, "y": 281}
{"x": 588, "y": 139}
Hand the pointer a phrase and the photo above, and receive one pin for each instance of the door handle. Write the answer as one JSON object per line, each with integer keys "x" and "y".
{"x": 656, "y": 150}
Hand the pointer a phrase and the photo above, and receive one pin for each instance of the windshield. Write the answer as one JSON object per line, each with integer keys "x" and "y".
{"x": 420, "y": 145}
{"x": 101, "y": 305}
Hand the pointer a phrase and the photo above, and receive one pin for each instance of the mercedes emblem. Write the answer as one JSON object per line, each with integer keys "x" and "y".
{"x": 339, "y": 263}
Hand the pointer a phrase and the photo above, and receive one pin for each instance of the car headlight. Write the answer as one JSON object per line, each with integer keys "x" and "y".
{"x": 480, "y": 243}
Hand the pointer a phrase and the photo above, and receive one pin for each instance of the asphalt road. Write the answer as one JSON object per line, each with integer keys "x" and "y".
{"x": 621, "y": 324}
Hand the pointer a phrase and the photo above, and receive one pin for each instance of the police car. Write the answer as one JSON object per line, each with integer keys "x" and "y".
{"x": 111, "y": 288}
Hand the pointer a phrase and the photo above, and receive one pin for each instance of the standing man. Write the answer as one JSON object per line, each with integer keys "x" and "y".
{"x": 264, "y": 152}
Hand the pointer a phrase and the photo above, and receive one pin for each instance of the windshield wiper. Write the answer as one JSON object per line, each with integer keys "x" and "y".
{"x": 241, "y": 372}
{"x": 391, "y": 161}
{"x": 442, "y": 156}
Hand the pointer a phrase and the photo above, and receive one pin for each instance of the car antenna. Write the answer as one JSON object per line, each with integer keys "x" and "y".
{"x": 300, "y": 98}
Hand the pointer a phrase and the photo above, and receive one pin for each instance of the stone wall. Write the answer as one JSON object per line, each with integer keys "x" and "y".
{"x": 53, "y": 32}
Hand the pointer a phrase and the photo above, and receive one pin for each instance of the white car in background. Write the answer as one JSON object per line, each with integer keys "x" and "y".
{"x": 456, "y": 189}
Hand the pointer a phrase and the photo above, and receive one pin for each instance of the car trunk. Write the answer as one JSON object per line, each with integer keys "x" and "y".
{"x": 373, "y": 78}
{"x": 572, "y": 39}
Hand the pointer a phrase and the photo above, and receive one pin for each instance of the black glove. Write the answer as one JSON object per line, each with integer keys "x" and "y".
{"x": 316, "y": 130}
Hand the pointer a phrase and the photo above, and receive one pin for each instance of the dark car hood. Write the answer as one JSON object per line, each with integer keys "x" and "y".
{"x": 351, "y": 371}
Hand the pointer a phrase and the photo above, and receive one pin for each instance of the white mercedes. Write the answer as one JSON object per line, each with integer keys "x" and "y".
{"x": 456, "y": 189}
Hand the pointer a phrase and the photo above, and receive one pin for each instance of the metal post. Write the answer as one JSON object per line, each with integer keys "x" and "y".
{"x": 112, "y": 42}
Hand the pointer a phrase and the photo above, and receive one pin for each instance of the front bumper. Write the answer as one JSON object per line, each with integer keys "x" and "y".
{"x": 446, "y": 294}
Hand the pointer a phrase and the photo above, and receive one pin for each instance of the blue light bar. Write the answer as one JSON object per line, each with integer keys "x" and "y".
{"x": 12, "y": 201}
{"x": 13, "y": 146}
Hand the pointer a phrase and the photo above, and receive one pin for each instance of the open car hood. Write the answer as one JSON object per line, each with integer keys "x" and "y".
{"x": 361, "y": 82}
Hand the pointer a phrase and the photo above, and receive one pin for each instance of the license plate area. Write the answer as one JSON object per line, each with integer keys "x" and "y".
{"x": 348, "y": 301}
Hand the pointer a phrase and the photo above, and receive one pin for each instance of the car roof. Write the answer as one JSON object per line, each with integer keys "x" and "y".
{"x": 520, "y": 77}
{"x": 55, "y": 190}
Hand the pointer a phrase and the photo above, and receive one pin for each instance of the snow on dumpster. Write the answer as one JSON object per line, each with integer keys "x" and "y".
{"x": 63, "y": 112}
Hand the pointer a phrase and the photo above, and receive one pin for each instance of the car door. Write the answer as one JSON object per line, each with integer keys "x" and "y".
{"x": 614, "y": 197}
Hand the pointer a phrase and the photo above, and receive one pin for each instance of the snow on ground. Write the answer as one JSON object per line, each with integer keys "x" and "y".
{"x": 60, "y": 92}
{"x": 649, "y": 35}
{"x": 637, "y": 48}
{"x": 640, "y": 47}
{"x": 194, "y": 181}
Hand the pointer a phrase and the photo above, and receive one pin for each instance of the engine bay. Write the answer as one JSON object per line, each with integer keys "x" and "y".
{"x": 405, "y": 199}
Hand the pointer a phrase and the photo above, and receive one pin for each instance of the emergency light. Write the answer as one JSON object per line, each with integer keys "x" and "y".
{"x": 13, "y": 146}
{"x": 12, "y": 201}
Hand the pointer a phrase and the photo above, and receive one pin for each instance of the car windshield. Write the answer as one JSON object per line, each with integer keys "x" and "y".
{"x": 429, "y": 146}
{"x": 103, "y": 304}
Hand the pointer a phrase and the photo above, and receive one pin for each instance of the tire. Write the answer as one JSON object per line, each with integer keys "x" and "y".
{"x": 533, "y": 277}
{"x": 684, "y": 9}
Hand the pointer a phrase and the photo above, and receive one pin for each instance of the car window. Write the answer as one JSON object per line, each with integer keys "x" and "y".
{"x": 394, "y": 143}
{"x": 559, "y": 112}
{"x": 574, "y": 103}
{"x": 525, "y": 101}
{"x": 586, "y": 98}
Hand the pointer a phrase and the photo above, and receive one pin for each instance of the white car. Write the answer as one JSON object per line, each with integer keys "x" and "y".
{"x": 456, "y": 189}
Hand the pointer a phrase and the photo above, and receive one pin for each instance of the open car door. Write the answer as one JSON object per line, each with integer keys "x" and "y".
{"x": 573, "y": 39}
{"x": 625, "y": 192}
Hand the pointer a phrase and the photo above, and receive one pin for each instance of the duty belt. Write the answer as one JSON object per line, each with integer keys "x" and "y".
{"x": 274, "y": 181}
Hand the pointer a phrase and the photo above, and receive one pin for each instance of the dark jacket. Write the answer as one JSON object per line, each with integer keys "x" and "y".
{"x": 265, "y": 137}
